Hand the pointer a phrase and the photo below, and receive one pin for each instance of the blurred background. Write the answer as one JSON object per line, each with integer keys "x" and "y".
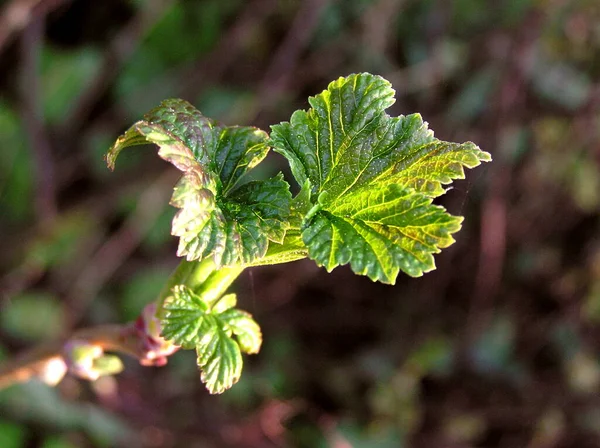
{"x": 499, "y": 347}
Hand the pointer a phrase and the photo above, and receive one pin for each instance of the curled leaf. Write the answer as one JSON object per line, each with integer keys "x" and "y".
{"x": 220, "y": 216}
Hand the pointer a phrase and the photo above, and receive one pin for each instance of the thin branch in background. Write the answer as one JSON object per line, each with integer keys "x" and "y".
{"x": 494, "y": 210}
{"x": 288, "y": 53}
{"x": 18, "y": 280}
{"x": 16, "y": 16}
{"x": 191, "y": 80}
{"x": 31, "y": 111}
{"x": 209, "y": 69}
{"x": 437, "y": 69}
{"x": 493, "y": 239}
{"x": 118, "y": 53}
{"x": 98, "y": 208}
{"x": 114, "y": 252}
{"x": 286, "y": 57}
{"x": 378, "y": 23}
{"x": 283, "y": 63}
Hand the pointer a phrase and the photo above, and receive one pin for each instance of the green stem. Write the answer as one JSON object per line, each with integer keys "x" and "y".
{"x": 202, "y": 277}
{"x": 217, "y": 283}
{"x": 35, "y": 363}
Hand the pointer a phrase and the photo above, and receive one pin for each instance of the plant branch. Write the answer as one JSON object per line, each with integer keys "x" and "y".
{"x": 41, "y": 360}
{"x": 111, "y": 255}
{"x": 118, "y": 53}
{"x": 16, "y": 15}
{"x": 45, "y": 196}
{"x": 140, "y": 339}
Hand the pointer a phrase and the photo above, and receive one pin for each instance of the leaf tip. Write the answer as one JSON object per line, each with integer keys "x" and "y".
{"x": 110, "y": 160}
{"x": 484, "y": 156}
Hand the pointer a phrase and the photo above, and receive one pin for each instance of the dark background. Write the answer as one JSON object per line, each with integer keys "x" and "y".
{"x": 496, "y": 348}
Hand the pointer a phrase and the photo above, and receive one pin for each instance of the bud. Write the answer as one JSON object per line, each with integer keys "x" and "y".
{"x": 89, "y": 362}
{"x": 155, "y": 347}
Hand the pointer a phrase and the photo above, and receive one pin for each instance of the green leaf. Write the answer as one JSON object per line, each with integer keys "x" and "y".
{"x": 372, "y": 178}
{"x": 177, "y": 127}
{"x": 224, "y": 303}
{"x": 379, "y": 232}
{"x": 184, "y": 320}
{"x": 247, "y": 331}
{"x": 219, "y": 358}
{"x": 291, "y": 249}
{"x": 427, "y": 168}
{"x": 220, "y": 216}
{"x": 239, "y": 231}
{"x": 218, "y": 331}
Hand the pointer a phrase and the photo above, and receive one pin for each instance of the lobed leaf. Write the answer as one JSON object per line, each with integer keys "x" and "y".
{"x": 219, "y": 359}
{"x": 436, "y": 164}
{"x": 219, "y": 216}
{"x": 372, "y": 178}
{"x": 379, "y": 232}
{"x": 237, "y": 232}
{"x": 184, "y": 320}
{"x": 218, "y": 331}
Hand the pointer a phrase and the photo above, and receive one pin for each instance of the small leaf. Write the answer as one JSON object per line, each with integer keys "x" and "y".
{"x": 245, "y": 328}
{"x": 219, "y": 215}
{"x": 218, "y": 332}
{"x": 238, "y": 150}
{"x": 224, "y": 303}
{"x": 300, "y": 206}
{"x": 292, "y": 247}
{"x": 219, "y": 358}
{"x": 185, "y": 317}
{"x": 372, "y": 178}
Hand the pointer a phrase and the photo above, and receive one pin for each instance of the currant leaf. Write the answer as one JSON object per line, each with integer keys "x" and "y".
{"x": 219, "y": 358}
{"x": 372, "y": 177}
{"x": 218, "y": 331}
{"x": 220, "y": 216}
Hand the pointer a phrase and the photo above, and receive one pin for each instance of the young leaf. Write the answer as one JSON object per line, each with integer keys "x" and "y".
{"x": 247, "y": 331}
{"x": 372, "y": 178}
{"x": 218, "y": 331}
{"x": 219, "y": 358}
{"x": 291, "y": 249}
{"x": 224, "y": 303}
{"x": 184, "y": 320}
{"x": 239, "y": 231}
{"x": 220, "y": 216}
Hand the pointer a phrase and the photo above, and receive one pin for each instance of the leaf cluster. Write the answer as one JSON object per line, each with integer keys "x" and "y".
{"x": 368, "y": 181}
{"x": 220, "y": 215}
{"x": 216, "y": 330}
